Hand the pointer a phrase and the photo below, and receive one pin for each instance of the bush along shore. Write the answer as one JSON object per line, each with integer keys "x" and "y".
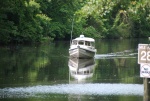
{"x": 24, "y": 21}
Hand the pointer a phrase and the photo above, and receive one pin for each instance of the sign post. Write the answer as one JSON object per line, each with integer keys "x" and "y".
{"x": 144, "y": 61}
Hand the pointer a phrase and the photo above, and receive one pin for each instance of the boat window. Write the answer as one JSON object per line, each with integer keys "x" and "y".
{"x": 81, "y": 43}
{"x": 92, "y": 44}
{"x": 87, "y": 43}
{"x": 74, "y": 42}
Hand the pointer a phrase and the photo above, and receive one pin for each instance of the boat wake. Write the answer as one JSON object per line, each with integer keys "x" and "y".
{"x": 123, "y": 54}
{"x": 78, "y": 89}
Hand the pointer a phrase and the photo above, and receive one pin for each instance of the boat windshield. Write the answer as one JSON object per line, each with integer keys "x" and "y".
{"x": 81, "y": 42}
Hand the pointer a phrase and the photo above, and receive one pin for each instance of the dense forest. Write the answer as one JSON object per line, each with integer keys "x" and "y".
{"x": 36, "y": 20}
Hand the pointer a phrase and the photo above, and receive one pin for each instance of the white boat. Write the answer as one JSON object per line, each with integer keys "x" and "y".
{"x": 82, "y": 47}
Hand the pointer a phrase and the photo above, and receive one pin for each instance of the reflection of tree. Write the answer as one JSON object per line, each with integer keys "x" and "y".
{"x": 113, "y": 46}
{"x": 31, "y": 64}
{"x": 109, "y": 70}
{"x": 120, "y": 62}
{"x": 117, "y": 69}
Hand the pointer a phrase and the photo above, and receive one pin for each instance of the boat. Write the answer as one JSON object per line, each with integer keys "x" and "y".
{"x": 81, "y": 69}
{"x": 82, "y": 47}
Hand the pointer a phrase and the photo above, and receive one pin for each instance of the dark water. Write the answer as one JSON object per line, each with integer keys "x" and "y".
{"x": 45, "y": 73}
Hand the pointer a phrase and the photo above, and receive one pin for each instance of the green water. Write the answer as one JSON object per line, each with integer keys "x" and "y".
{"x": 42, "y": 73}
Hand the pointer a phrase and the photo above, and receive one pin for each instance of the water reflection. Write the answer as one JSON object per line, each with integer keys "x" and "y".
{"x": 81, "y": 69}
{"x": 43, "y": 72}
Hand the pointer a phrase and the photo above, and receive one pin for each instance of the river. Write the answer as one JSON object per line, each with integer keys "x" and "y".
{"x": 44, "y": 72}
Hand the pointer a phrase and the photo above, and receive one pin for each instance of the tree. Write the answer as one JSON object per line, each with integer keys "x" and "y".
{"x": 8, "y": 20}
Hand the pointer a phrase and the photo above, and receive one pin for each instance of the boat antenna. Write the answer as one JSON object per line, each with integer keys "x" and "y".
{"x": 72, "y": 28}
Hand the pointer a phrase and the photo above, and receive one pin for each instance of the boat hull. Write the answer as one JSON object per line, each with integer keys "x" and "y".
{"x": 81, "y": 53}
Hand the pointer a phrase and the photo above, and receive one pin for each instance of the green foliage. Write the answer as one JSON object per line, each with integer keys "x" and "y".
{"x": 44, "y": 21}
{"x": 115, "y": 19}
{"x": 91, "y": 32}
{"x": 139, "y": 14}
{"x": 31, "y": 20}
{"x": 21, "y": 21}
{"x": 62, "y": 13}
{"x": 8, "y": 29}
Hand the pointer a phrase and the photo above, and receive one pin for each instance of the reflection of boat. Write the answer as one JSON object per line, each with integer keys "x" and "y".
{"x": 81, "y": 68}
{"x": 82, "y": 47}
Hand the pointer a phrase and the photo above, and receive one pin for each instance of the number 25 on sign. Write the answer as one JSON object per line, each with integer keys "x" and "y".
{"x": 143, "y": 53}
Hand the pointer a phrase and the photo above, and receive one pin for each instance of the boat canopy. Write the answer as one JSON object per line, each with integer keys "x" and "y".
{"x": 84, "y": 38}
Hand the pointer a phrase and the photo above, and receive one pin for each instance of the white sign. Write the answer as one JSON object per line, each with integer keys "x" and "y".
{"x": 143, "y": 53}
{"x": 145, "y": 70}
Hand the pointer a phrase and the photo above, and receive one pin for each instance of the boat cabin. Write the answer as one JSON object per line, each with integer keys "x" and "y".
{"x": 83, "y": 41}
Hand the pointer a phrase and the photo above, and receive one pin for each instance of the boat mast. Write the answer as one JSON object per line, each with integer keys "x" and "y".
{"x": 72, "y": 28}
